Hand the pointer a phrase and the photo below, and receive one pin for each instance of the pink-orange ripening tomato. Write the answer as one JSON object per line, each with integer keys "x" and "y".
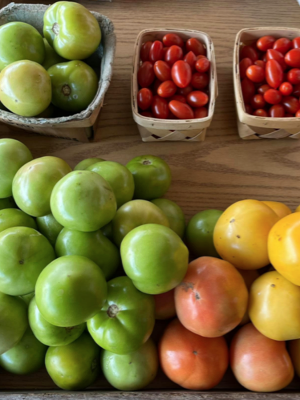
{"x": 266, "y": 42}
{"x": 146, "y": 74}
{"x": 286, "y": 88}
{"x": 248, "y": 89}
{"x": 273, "y": 96}
{"x": 200, "y": 80}
{"x": 292, "y": 58}
{"x": 243, "y": 65}
{"x": 156, "y": 51}
{"x": 171, "y": 39}
{"x": 291, "y": 104}
{"x": 294, "y": 76}
{"x": 197, "y": 98}
{"x": 283, "y": 45}
{"x": 144, "y": 98}
{"x": 190, "y": 58}
{"x": 255, "y": 73}
{"x": 249, "y": 52}
{"x": 145, "y": 49}
{"x": 274, "y": 73}
{"x": 173, "y": 54}
{"x": 202, "y": 65}
{"x": 160, "y": 108}
{"x": 200, "y": 112}
{"x": 195, "y": 46}
{"x": 181, "y": 73}
{"x": 162, "y": 71}
{"x": 181, "y": 110}
{"x": 167, "y": 89}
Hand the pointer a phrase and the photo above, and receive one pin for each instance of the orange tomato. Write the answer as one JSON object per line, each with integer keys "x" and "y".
{"x": 279, "y": 208}
{"x": 249, "y": 277}
{"x": 165, "y": 305}
{"x": 190, "y": 360}
{"x": 284, "y": 249}
{"x": 297, "y": 209}
{"x": 259, "y": 363}
{"x": 241, "y": 234}
{"x": 294, "y": 347}
{"x": 212, "y": 298}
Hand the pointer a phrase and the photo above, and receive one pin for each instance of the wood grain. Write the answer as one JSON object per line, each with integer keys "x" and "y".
{"x": 210, "y": 174}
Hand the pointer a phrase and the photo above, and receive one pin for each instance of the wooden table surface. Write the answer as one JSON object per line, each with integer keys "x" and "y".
{"x": 210, "y": 174}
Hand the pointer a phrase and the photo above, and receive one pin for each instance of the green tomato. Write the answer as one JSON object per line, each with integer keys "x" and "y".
{"x": 74, "y": 85}
{"x": 83, "y": 201}
{"x": 127, "y": 319}
{"x": 132, "y": 371}
{"x": 25, "y": 88}
{"x": 49, "y": 334}
{"x": 48, "y": 113}
{"x": 119, "y": 177}
{"x": 107, "y": 231}
{"x": 76, "y": 365}
{"x": 152, "y": 177}
{"x": 2, "y": 107}
{"x": 12, "y": 217}
{"x": 34, "y": 182}
{"x": 8, "y": 202}
{"x": 174, "y": 214}
{"x": 24, "y": 253}
{"x": 133, "y": 214}
{"x": 13, "y": 321}
{"x": 70, "y": 290}
{"x": 51, "y": 57}
{"x": 84, "y": 164}
{"x": 93, "y": 245}
{"x": 49, "y": 227}
{"x": 26, "y": 357}
{"x": 155, "y": 258}
{"x": 20, "y": 41}
{"x": 199, "y": 233}
{"x": 71, "y": 30}
{"x": 13, "y": 154}
{"x": 27, "y": 298}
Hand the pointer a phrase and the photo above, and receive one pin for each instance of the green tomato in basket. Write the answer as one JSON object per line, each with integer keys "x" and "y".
{"x": 13, "y": 154}
{"x": 174, "y": 214}
{"x": 93, "y": 245}
{"x": 12, "y": 217}
{"x": 132, "y": 371}
{"x": 51, "y": 57}
{"x": 76, "y": 365}
{"x": 49, "y": 227}
{"x": 84, "y": 164}
{"x": 119, "y": 177}
{"x": 8, "y": 202}
{"x": 25, "y": 88}
{"x": 108, "y": 231}
{"x": 34, "y": 182}
{"x": 24, "y": 253}
{"x": 133, "y": 214}
{"x": 126, "y": 320}
{"x": 71, "y": 30}
{"x": 20, "y": 41}
{"x": 48, "y": 334}
{"x": 13, "y": 321}
{"x": 25, "y": 357}
{"x": 83, "y": 201}
{"x": 27, "y": 298}
{"x": 155, "y": 258}
{"x": 152, "y": 177}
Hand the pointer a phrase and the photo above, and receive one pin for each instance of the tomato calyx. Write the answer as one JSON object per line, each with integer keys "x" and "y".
{"x": 66, "y": 90}
{"x": 113, "y": 311}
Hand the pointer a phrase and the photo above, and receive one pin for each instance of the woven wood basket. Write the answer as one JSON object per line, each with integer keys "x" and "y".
{"x": 157, "y": 130}
{"x": 250, "y": 126}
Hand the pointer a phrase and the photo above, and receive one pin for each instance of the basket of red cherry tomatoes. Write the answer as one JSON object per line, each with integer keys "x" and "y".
{"x": 267, "y": 83}
{"x": 174, "y": 84}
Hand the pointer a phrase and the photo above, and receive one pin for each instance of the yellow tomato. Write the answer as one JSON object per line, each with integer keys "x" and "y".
{"x": 249, "y": 277}
{"x": 294, "y": 347}
{"x": 297, "y": 209}
{"x": 279, "y": 208}
{"x": 274, "y": 307}
{"x": 241, "y": 234}
{"x": 284, "y": 249}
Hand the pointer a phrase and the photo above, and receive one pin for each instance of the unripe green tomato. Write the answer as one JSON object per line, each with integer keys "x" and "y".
{"x": 27, "y": 298}
{"x": 8, "y": 202}
{"x": 20, "y": 41}
{"x": 49, "y": 227}
{"x": 174, "y": 214}
{"x": 84, "y": 164}
{"x": 25, "y": 88}
{"x": 12, "y": 217}
{"x": 51, "y": 57}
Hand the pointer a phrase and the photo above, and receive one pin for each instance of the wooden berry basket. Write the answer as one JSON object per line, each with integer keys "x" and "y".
{"x": 78, "y": 126}
{"x": 157, "y": 130}
{"x": 250, "y": 126}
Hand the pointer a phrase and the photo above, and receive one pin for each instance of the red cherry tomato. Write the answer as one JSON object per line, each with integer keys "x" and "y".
{"x": 171, "y": 39}
{"x": 258, "y": 101}
{"x": 190, "y": 58}
{"x": 283, "y": 45}
{"x": 266, "y": 42}
{"x": 181, "y": 73}
{"x": 144, "y": 98}
{"x": 202, "y": 65}
{"x": 260, "y": 63}
{"x": 255, "y": 73}
{"x": 248, "y": 89}
{"x": 173, "y": 54}
{"x": 167, "y": 89}
{"x": 297, "y": 114}
{"x": 273, "y": 96}
{"x": 178, "y": 97}
{"x": 243, "y": 65}
{"x": 160, "y": 107}
{"x": 296, "y": 90}
{"x": 291, "y": 104}
{"x": 195, "y": 46}
{"x": 197, "y": 98}
{"x": 249, "y": 52}
{"x": 162, "y": 70}
{"x": 287, "y": 115}
{"x": 263, "y": 88}
{"x": 145, "y": 49}
{"x": 277, "y": 111}
{"x": 292, "y": 58}
{"x": 146, "y": 74}
{"x": 293, "y": 76}
{"x": 248, "y": 109}
{"x": 165, "y": 49}
{"x": 274, "y": 73}
{"x": 200, "y": 112}
{"x": 260, "y": 113}
{"x": 296, "y": 43}
{"x": 200, "y": 80}
{"x": 286, "y": 88}
{"x": 276, "y": 55}
{"x": 264, "y": 57}
{"x": 156, "y": 85}
{"x": 147, "y": 114}
{"x": 156, "y": 51}
{"x": 185, "y": 91}
{"x": 181, "y": 110}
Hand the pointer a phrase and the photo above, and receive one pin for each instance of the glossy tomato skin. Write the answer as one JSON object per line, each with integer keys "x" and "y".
{"x": 277, "y": 111}
{"x": 266, "y": 42}
{"x": 255, "y": 73}
{"x": 243, "y": 65}
{"x": 181, "y": 110}
{"x": 260, "y": 63}
{"x": 162, "y": 71}
{"x": 258, "y": 101}
{"x": 197, "y": 98}
{"x": 286, "y": 88}
{"x": 156, "y": 51}
{"x": 276, "y": 55}
{"x": 200, "y": 80}
{"x": 272, "y": 96}
{"x": 297, "y": 114}
{"x": 200, "y": 112}
{"x": 160, "y": 108}
{"x": 167, "y": 89}
{"x": 291, "y": 104}
{"x": 292, "y": 58}
{"x": 195, "y": 46}
{"x": 274, "y": 73}
{"x": 181, "y": 73}
{"x": 173, "y": 54}
{"x": 279, "y": 208}
{"x": 165, "y": 305}
{"x": 296, "y": 43}
{"x": 192, "y": 361}
{"x": 248, "y": 89}
{"x": 283, "y": 45}
{"x": 249, "y": 52}
{"x": 223, "y": 293}
{"x": 263, "y": 88}
{"x": 202, "y": 65}
{"x": 190, "y": 58}
{"x": 296, "y": 90}
{"x": 294, "y": 76}
{"x": 144, "y": 98}
{"x": 145, "y": 49}
{"x": 146, "y": 74}
{"x": 185, "y": 91}
{"x": 171, "y": 39}
{"x": 260, "y": 113}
